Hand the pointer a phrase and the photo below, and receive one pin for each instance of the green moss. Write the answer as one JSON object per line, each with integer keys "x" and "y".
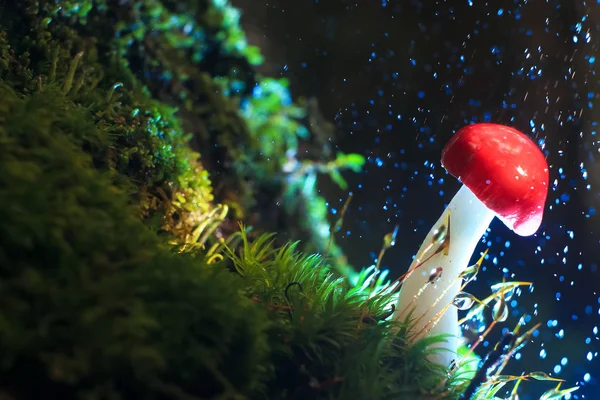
{"x": 138, "y": 137}
{"x": 323, "y": 343}
{"x": 194, "y": 57}
{"x": 92, "y": 304}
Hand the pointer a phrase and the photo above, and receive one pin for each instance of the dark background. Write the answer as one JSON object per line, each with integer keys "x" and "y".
{"x": 399, "y": 77}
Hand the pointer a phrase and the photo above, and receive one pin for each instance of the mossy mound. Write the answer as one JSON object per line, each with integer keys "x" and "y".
{"x": 91, "y": 301}
{"x": 95, "y": 305}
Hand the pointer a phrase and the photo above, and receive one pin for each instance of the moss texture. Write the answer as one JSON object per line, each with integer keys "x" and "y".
{"x": 93, "y": 304}
{"x": 96, "y": 305}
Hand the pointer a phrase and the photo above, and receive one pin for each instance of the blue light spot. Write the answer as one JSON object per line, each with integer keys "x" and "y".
{"x": 557, "y": 369}
{"x": 564, "y": 361}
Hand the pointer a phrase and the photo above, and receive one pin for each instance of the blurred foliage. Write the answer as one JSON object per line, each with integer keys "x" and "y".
{"x": 246, "y": 126}
{"x": 141, "y": 68}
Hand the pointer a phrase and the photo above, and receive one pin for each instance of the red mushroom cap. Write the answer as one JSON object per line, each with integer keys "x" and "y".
{"x": 504, "y": 169}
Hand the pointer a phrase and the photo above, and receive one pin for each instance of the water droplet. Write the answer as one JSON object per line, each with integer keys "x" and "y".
{"x": 440, "y": 235}
{"x": 500, "y": 311}
{"x": 470, "y": 273}
{"x": 435, "y": 275}
{"x": 463, "y": 301}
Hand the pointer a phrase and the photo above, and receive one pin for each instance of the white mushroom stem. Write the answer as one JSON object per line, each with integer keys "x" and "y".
{"x": 469, "y": 219}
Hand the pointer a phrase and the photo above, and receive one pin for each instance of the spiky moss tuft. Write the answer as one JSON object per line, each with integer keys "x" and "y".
{"x": 330, "y": 339}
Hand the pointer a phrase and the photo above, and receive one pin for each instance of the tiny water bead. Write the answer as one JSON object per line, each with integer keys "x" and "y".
{"x": 440, "y": 235}
{"x": 500, "y": 311}
{"x": 463, "y": 301}
{"x": 435, "y": 275}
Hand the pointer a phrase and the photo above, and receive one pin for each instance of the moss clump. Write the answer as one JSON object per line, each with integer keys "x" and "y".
{"x": 136, "y": 136}
{"x": 92, "y": 304}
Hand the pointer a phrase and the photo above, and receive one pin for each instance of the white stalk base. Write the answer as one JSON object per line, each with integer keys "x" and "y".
{"x": 469, "y": 219}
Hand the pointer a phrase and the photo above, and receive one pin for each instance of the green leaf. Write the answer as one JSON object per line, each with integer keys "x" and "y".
{"x": 353, "y": 161}
{"x": 338, "y": 179}
{"x": 254, "y": 56}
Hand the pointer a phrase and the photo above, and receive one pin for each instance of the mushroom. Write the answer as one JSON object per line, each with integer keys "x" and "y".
{"x": 505, "y": 175}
